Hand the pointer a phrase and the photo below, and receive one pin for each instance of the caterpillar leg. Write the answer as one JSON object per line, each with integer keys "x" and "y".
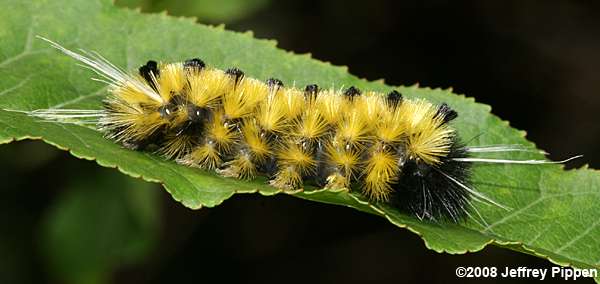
{"x": 205, "y": 156}
{"x": 242, "y": 167}
{"x": 287, "y": 178}
{"x": 337, "y": 182}
{"x": 341, "y": 165}
{"x": 295, "y": 161}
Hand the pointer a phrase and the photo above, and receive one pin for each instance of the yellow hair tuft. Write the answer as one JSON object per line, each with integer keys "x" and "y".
{"x": 243, "y": 98}
{"x": 207, "y": 86}
{"x": 330, "y": 105}
{"x": 345, "y": 159}
{"x": 171, "y": 81}
{"x": 380, "y": 170}
{"x": 221, "y": 133}
{"x": 295, "y": 154}
{"x": 311, "y": 124}
{"x": 428, "y": 137}
{"x": 255, "y": 140}
{"x": 273, "y": 112}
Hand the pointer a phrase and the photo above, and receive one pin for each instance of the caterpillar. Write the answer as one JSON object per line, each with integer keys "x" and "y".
{"x": 394, "y": 150}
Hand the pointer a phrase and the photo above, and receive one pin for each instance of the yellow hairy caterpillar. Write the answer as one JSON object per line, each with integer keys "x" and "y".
{"x": 391, "y": 149}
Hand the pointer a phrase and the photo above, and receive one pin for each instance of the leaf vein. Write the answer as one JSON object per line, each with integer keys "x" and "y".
{"x": 578, "y": 237}
{"x": 76, "y": 136}
{"x": 96, "y": 93}
{"x": 26, "y": 50}
{"x": 533, "y": 203}
{"x": 15, "y": 87}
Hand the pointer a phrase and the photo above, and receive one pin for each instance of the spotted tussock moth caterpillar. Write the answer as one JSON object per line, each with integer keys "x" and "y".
{"x": 391, "y": 149}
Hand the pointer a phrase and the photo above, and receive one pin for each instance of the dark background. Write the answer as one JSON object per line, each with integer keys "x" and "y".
{"x": 535, "y": 62}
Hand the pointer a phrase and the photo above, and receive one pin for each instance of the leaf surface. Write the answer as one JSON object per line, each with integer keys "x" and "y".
{"x": 554, "y": 213}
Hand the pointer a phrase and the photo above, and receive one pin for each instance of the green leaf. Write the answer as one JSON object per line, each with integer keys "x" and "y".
{"x": 555, "y": 213}
{"x": 206, "y": 10}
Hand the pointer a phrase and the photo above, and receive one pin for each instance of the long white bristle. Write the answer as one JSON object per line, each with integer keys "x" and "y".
{"x": 105, "y": 69}
{"x": 502, "y": 148}
{"x": 504, "y": 161}
{"x": 473, "y": 192}
{"x": 72, "y": 116}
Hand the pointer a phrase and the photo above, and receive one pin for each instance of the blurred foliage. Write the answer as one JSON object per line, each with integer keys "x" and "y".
{"x": 207, "y": 11}
{"x": 87, "y": 230}
{"x": 18, "y": 215}
{"x": 95, "y": 227}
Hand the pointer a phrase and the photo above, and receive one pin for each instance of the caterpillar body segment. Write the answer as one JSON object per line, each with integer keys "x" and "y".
{"x": 337, "y": 139}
